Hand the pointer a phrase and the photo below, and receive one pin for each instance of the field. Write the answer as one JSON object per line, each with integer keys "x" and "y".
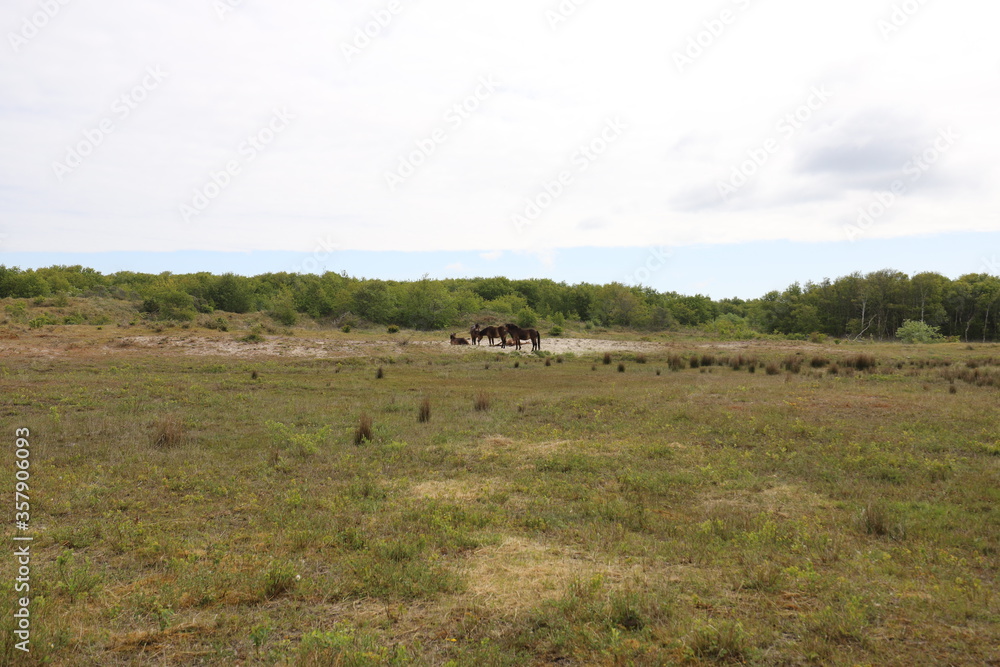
{"x": 328, "y": 498}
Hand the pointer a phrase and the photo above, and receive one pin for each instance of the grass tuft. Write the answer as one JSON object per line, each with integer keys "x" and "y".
{"x": 424, "y": 414}
{"x": 482, "y": 401}
{"x": 170, "y": 432}
{"x": 363, "y": 433}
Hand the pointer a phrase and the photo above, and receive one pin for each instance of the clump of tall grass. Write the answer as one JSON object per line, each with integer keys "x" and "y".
{"x": 674, "y": 362}
{"x": 876, "y": 519}
{"x": 861, "y": 362}
{"x": 363, "y": 433}
{"x": 424, "y": 415}
{"x": 170, "y": 432}
{"x": 482, "y": 401}
{"x": 607, "y": 359}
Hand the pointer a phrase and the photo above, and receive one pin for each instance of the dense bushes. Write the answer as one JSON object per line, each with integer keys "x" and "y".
{"x": 881, "y": 304}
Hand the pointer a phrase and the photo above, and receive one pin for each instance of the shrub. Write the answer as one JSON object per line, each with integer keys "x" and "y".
{"x": 392, "y": 328}
{"x": 556, "y": 331}
{"x": 346, "y": 328}
{"x": 918, "y": 332}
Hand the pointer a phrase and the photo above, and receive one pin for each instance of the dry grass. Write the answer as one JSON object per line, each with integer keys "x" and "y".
{"x": 424, "y": 413}
{"x": 482, "y": 401}
{"x": 363, "y": 433}
{"x": 170, "y": 432}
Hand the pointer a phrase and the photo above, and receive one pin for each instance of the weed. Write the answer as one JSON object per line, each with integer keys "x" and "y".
{"x": 482, "y": 401}
{"x": 279, "y": 578}
{"x": 424, "y": 415}
{"x": 724, "y": 641}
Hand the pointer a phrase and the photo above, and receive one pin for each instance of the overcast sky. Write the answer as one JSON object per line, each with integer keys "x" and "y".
{"x": 528, "y": 126}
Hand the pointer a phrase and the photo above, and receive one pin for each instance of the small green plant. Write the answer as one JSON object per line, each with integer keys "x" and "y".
{"x": 346, "y": 328}
{"x": 163, "y": 616}
{"x": 279, "y": 578}
{"x": 259, "y": 634}
{"x": 392, "y": 328}
{"x": 723, "y": 641}
{"x": 75, "y": 581}
{"x": 298, "y": 443}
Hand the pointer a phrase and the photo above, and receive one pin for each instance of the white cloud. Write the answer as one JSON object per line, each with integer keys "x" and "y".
{"x": 325, "y": 174}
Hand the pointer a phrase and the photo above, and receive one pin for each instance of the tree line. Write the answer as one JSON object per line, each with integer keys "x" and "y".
{"x": 872, "y": 305}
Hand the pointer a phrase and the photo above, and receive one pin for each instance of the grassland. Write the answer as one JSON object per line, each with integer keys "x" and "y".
{"x": 696, "y": 503}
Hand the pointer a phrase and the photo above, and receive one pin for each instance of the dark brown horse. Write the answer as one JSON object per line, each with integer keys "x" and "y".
{"x": 475, "y": 335}
{"x": 455, "y": 340}
{"x": 491, "y": 333}
{"x": 519, "y": 334}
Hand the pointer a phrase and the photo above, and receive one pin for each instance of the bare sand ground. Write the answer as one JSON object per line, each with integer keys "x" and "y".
{"x": 289, "y": 346}
{"x": 51, "y": 345}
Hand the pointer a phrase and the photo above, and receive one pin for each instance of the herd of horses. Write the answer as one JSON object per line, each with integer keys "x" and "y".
{"x": 492, "y": 334}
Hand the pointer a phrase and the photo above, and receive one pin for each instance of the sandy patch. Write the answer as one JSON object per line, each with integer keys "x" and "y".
{"x": 280, "y": 346}
{"x": 518, "y": 573}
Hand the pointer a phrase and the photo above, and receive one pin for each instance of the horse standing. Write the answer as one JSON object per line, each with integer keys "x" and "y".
{"x": 491, "y": 333}
{"x": 519, "y": 334}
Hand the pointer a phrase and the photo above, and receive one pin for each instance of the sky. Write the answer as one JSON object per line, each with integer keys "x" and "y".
{"x": 726, "y": 148}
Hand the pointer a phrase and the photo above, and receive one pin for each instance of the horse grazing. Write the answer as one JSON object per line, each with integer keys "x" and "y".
{"x": 519, "y": 334}
{"x": 455, "y": 340}
{"x": 492, "y": 333}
